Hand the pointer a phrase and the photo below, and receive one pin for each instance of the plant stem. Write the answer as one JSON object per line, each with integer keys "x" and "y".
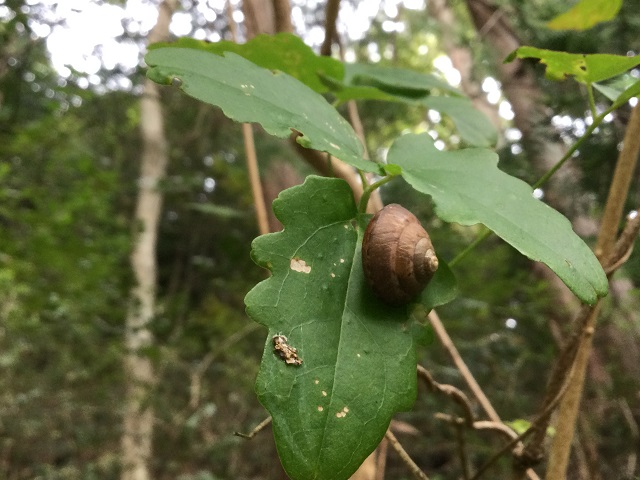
{"x": 592, "y": 102}
{"x": 481, "y": 238}
{"x": 597, "y": 120}
{"x": 364, "y": 200}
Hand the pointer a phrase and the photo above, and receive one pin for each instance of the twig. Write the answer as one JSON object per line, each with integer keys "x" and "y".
{"x": 624, "y": 245}
{"x": 262, "y": 217}
{"x": 456, "y": 395}
{"x": 415, "y": 470}
{"x": 462, "y": 452}
{"x": 479, "y": 425}
{"x": 448, "y": 345}
{"x": 255, "y": 431}
{"x": 451, "y": 349}
{"x": 535, "y": 425}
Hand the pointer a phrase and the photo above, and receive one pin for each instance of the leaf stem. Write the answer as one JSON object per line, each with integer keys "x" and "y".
{"x": 597, "y": 120}
{"x": 368, "y": 190}
{"x": 481, "y": 238}
{"x": 592, "y": 102}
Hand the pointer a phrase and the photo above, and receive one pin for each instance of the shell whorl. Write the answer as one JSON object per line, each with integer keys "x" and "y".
{"x": 398, "y": 257}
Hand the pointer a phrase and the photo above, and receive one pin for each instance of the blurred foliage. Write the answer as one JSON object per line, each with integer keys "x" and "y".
{"x": 69, "y": 160}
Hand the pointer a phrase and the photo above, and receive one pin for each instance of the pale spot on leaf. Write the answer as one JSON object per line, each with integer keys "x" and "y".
{"x": 299, "y": 265}
{"x": 320, "y": 408}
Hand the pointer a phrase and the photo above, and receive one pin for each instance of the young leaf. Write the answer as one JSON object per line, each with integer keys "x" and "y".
{"x": 585, "y": 68}
{"x": 358, "y": 354}
{"x": 467, "y": 187}
{"x": 586, "y": 14}
{"x": 283, "y": 51}
{"x": 248, "y": 93}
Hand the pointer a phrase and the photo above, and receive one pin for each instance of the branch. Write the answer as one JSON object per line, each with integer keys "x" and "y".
{"x": 415, "y": 470}
{"x": 449, "y": 390}
{"x": 255, "y": 431}
{"x": 605, "y": 248}
{"x": 473, "y": 385}
{"x": 330, "y": 32}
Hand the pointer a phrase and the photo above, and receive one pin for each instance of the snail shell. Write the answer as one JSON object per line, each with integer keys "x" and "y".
{"x": 398, "y": 258}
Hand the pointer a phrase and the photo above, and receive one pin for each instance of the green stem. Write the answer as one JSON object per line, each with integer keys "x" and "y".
{"x": 479, "y": 239}
{"x": 366, "y": 193}
{"x": 596, "y": 123}
{"x": 592, "y": 102}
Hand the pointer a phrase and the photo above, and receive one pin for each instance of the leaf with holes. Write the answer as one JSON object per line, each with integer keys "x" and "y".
{"x": 585, "y": 68}
{"x": 468, "y": 188}
{"x": 354, "y": 363}
{"x": 248, "y": 93}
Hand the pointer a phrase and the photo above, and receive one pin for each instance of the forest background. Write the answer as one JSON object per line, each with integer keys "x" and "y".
{"x": 72, "y": 139}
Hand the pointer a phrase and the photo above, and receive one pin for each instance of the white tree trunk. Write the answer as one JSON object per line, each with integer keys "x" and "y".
{"x": 139, "y": 374}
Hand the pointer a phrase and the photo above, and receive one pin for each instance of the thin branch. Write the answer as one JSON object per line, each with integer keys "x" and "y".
{"x": 473, "y": 385}
{"x": 451, "y": 349}
{"x": 605, "y": 246}
{"x": 330, "y": 31}
{"x": 620, "y": 183}
{"x": 535, "y": 425}
{"x": 462, "y": 452}
{"x": 415, "y": 470}
{"x": 449, "y": 390}
{"x": 624, "y": 245}
{"x": 262, "y": 217}
{"x": 255, "y": 431}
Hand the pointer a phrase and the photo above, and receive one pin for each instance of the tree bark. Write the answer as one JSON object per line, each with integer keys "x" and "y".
{"x": 138, "y": 418}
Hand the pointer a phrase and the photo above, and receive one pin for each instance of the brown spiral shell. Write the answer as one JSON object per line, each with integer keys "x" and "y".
{"x": 398, "y": 258}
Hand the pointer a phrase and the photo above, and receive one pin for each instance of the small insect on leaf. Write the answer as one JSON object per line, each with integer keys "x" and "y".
{"x": 286, "y": 351}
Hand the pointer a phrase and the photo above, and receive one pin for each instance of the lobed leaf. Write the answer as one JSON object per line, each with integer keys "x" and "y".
{"x": 358, "y": 354}
{"x": 467, "y": 187}
{"x": 248, "y": 93}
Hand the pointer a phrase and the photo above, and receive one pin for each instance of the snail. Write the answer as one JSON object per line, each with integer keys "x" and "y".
{"x": 398, "y": 258}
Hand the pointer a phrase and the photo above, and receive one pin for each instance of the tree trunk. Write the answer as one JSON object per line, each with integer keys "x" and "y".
{"x": 139, "y": 374}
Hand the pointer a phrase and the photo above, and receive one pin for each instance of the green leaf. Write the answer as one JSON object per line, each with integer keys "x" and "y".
{"x": 394, "y": 80}
{"x": 632, "y": 91}
{"x": 283, "y": 51}
{"x": 372, "y": 82}
{"x": 473, "y": 125}
{"x": 248, "y": 93}
{"x": 620, "y": 89}
{"x": 358, "y": 354}
{"x": 585, "y": 68}
{"x": 468, "y": 188}
{"x": 585, "y": 14}
{"x": 218, "y": 210}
